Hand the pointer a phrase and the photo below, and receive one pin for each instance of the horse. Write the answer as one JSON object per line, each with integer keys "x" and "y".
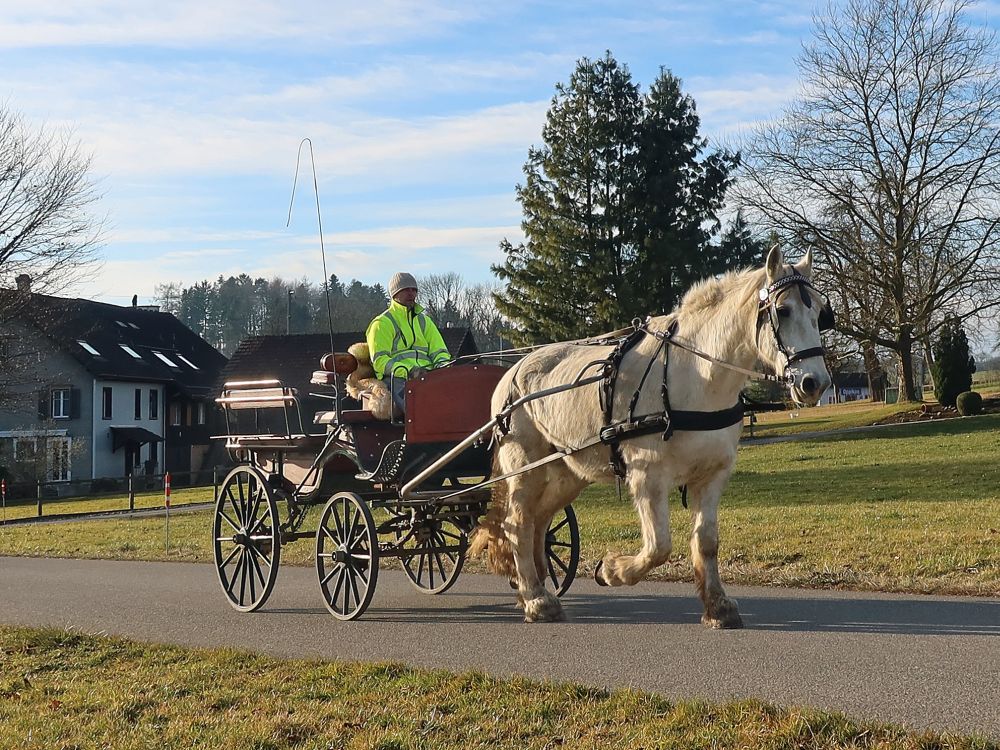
{"x": 709, "y": 345}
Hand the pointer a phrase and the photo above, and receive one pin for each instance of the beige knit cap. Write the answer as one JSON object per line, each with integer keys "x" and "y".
{"x": 399, "y": 281}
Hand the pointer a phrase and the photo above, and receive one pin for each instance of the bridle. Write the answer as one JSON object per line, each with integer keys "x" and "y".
{"x": 767, "y": 309}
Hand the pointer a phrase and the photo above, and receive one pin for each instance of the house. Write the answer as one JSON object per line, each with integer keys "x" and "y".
{"x": 91, "y": 390}
{"x": 847, "y": 386}
{"x": 292, "y": 359}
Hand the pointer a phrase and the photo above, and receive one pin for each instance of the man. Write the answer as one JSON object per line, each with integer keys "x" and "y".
{"x": 404, "y": 339}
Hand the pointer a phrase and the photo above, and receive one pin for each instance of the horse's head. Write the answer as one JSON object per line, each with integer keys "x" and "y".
{"x": 791, "y": 315}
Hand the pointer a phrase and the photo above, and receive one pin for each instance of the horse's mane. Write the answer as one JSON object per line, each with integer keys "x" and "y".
{"x": 733, "y": 287}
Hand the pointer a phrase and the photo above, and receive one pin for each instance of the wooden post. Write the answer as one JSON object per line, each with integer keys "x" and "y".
{"x": 131, "y": 492}
{"x": 215, "y": 484}
{"x": 39, "y": 496}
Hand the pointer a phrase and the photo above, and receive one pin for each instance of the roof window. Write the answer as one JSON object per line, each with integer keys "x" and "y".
{"x": 89, "y": 348}
{"x": 187, "y": 361}
{"x": 121, "y": 324}
{"x": 166, "y": 359}
{"x": 133, "y": 325}
{"x": 130, "y": 351}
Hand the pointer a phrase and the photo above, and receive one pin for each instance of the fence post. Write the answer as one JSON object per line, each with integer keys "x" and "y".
{"x": 131, "y": 492}
{"x": 39, "y": 496}
{"x": 215, "y": 484}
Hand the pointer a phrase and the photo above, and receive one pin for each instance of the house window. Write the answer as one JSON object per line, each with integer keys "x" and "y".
{"x": 138, "y": 403}
{"x": 166, "y": 360}
{"x": 87, "y": 347}
{"x": 60, "y": 403}
{"x": 24, "y": 449}
{"x": 201, "y": 413}
{"x": 130, "y": 351}
{"x": 154, "y": 404}
{"x": 106, "y": 402}
{"x": 58, "y": 466}
{"x": 175, "y": 414}
{"x": 187, "y": 361}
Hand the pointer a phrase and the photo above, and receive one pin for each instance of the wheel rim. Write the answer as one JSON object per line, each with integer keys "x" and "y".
{"x": 246, "y": 539}
{"x": 562, "y": 550}
{"x": 347, "y": 556}
{"x": 433, "y": 553}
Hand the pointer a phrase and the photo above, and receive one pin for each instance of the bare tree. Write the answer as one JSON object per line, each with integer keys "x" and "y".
{"x": 888, "y": 164}
{"x": 47, "y": 229}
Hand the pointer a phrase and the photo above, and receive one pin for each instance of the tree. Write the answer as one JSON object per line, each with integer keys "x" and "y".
{"x": 953, "y": 364}
{"x": 49, "y": 237}
{"x": 888, "y": 165}
{"x": 616, "y": 204}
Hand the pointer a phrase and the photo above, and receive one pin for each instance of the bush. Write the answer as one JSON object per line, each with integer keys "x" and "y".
{"x": 953, "y": 364}
{"x": 969, "y": 403}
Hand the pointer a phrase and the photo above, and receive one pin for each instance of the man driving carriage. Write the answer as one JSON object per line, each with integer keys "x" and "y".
{"x": 403, "y": 340}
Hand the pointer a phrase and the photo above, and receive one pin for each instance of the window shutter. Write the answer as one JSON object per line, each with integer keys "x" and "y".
{"x": 74, "y": 403}
{"x": 43, "y": 404}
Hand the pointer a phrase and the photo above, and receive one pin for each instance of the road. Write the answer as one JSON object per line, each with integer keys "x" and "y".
{"x": 926, "y": 662}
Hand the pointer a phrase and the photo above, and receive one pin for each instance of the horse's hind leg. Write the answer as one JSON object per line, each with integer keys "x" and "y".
{"x": 651, "y": 489}
{"x": 519, "y": 526}
{"x": 720, "y": 610}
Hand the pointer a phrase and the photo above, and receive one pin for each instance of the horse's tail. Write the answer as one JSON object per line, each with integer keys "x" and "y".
{"x": 488, "y": 537}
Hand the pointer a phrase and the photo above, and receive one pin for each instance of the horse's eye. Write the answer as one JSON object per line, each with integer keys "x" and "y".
{"x": 784, "y": 312}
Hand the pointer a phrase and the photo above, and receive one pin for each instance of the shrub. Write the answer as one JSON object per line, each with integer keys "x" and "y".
{"x": 969, "y": 403}
{"x": 953, "y": 365}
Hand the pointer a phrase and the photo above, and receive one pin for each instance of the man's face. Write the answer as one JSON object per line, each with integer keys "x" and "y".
{"x": 406, "y": 297}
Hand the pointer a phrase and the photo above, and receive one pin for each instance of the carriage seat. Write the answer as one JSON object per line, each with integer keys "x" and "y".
{"x": 347, "y": 416}
{"x": 323, "y": 377}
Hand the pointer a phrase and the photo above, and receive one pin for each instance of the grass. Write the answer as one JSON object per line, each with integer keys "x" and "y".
{"x": 63, "y": 691}
{"x": 914, "y": 508}
{"x": 825, "y": 418}
{"x": 55, "y": 506}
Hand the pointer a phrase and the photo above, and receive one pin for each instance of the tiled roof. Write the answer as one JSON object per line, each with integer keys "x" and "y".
{"x": 292, "y": 359}
{"x": 168, "y": 351}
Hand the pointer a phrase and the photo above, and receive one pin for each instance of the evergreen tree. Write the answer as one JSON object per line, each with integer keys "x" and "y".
{"x": 953, "y": 364}
{"x": 737, "y": 248}
{"x": 618, "y": 205}
{"x": 679, "y": 196}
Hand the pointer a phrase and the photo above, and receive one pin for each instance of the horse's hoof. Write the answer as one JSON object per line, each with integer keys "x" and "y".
{"x": 726, "y": 617}
{"x": 597, "y": 574}
{"x": 544, "y": 609}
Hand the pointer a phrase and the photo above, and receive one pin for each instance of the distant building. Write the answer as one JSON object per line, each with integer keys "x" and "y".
{"x": 293, "y": 359}
{"x": 847, "y": 386}
{"x": 91, "y": 390}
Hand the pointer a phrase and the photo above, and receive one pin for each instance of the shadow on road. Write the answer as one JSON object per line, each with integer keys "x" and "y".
{"x": 858, "y": 615}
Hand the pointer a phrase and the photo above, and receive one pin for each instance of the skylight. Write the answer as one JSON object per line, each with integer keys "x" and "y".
{"x": 130, "y": 351}
{"x": 133, "y": 325}
{"x": 89, "y": 348}
{"x": 166, "y": 359}
{"x": 121, "y": 324}
{"x": 187, "y": 361}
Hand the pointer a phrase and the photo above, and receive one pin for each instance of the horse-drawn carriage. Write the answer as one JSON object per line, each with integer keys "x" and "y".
{"x": 357, "y": 469}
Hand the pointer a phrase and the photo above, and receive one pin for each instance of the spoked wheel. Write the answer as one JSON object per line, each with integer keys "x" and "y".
{"x": 562, "y": 550}
{"x": 347, "y": 556}
{"x": 247, "y": 538}
{"x": 433, "y": 553}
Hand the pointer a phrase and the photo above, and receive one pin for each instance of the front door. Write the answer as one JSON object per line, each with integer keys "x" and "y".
{"x": 131, "y": 458}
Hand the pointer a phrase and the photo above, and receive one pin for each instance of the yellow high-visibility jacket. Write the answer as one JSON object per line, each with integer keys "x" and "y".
{"x": 400, "y": 339}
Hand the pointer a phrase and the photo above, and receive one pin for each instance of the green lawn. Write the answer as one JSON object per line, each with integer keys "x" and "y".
{"x": 56, "y": 506}
{"x": 911, "y": 508}
{"x": 63, "y": 691}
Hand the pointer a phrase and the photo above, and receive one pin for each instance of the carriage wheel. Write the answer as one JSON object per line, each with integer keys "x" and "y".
{"x": 247, "y": 538}
{"x": 562, "y": 550}
{"x": 433, "y": 553}
{"x": 347, "y": 556}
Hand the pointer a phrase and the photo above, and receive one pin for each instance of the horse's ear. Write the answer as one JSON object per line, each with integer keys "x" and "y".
{"x": 805, "y": 264}
{"x": 774, "y": 264}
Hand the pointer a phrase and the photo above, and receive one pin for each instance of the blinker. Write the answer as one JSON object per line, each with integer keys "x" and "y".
{"x": 826, "y": 320}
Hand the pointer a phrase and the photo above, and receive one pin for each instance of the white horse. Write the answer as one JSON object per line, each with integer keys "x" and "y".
{"x": 765, "y": 314}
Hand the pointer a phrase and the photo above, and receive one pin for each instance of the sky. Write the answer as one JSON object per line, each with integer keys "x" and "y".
{"x": 420, "y": 116}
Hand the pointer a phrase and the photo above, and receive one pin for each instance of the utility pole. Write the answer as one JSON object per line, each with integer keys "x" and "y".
{"x": 288, "y": 313}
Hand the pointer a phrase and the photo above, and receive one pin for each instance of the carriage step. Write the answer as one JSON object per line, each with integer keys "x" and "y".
{"x": 390, "y": 464}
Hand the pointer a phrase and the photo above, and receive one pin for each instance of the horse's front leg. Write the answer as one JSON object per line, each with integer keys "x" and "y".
{"x": 540, "y": 605}
{"x": 651, "y": 490}
{"x": 720, "y": 610}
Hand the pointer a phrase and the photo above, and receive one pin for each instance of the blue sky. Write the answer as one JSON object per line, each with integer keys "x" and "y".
{"x": 420, "y": 113}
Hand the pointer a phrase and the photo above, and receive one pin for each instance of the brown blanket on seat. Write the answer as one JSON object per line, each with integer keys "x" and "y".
{"x": 363, "y": 382}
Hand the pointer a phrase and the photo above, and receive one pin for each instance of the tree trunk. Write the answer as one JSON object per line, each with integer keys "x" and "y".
{"x": 876, "y": 376}
{"x": 907, "y": 386}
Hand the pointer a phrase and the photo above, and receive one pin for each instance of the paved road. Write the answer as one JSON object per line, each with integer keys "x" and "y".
{"x": 927, "y": 662}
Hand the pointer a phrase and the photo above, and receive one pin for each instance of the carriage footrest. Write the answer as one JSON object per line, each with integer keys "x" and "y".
{"x": 390, "y": 464}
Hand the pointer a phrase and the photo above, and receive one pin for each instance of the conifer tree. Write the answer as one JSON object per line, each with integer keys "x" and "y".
{"x": 953, "y": 364}
{"x": 618, "y": 205}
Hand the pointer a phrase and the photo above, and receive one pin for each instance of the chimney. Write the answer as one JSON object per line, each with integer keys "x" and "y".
{"x": 23, "y": 283}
